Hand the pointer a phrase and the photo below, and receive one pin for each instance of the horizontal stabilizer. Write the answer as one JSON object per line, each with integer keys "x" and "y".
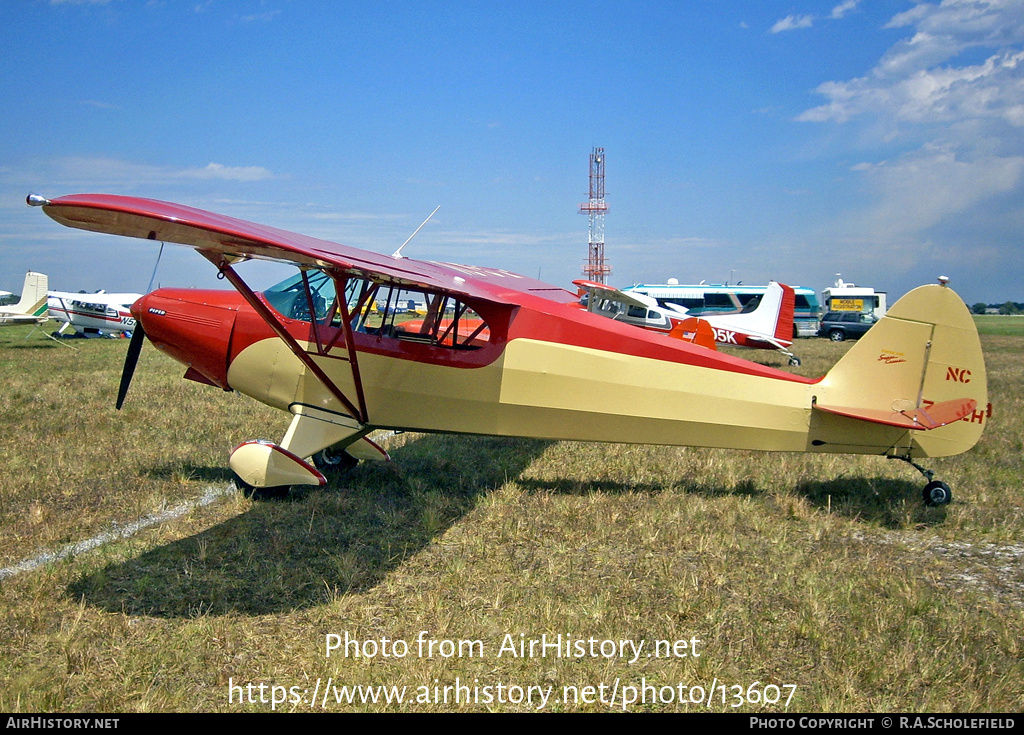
{"x": 932, "y": 417}
{"x": 695, "y": 330}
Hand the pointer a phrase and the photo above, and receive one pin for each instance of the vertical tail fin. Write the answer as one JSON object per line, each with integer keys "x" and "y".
{"x": 924, "y": 352}
{"x": 33, "y": 294}
{"x": 773, "y": 317}
{"x": 784, "y": 325}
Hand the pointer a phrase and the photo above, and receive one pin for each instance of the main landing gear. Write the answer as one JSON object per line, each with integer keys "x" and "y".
{"x": 936, "y": 492}
{"x": 334, "y": 460}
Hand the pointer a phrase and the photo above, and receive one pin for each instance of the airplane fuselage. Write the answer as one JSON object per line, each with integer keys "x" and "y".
{"x": 548, "y": 371}
{"x": 83, "y": 314}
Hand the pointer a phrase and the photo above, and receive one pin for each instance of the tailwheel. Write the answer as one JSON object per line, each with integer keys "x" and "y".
{"x": 937, "y": 493}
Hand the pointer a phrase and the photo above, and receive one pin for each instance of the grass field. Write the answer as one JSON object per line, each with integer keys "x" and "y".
{"x": 998, "y": 324}
{"x": 814, "y": 582}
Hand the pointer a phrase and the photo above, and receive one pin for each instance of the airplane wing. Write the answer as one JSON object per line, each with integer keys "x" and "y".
{"x": 612, "y": 294}
{"x": 100, "y": 297}
{"x": 123, "y": 300}
{"x": 237, "y": 239}
{"x": 226, "y": 240}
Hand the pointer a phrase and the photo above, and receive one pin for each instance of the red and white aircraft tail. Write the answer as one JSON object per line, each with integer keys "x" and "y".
{"x": 769, "y": 326}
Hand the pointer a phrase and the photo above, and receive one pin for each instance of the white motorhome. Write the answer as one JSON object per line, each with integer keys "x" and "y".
{"x": 851, "y": 297}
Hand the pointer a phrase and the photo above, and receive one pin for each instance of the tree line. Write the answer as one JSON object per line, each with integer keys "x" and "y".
{"x": 1009, "y": 307}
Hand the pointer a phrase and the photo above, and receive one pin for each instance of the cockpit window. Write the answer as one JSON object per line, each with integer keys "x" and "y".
{"x": 382, "y": 309}
{"x": 308, "y": 293}
{"x": 412, "y": 315}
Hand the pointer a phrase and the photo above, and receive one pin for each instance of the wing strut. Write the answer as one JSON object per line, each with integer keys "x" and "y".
{"x": 350, "y": 347}
{"x": 247, "y": 293}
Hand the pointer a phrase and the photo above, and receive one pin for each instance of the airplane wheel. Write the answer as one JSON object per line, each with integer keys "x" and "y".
{"x": 937, "y": 493}
{"x": 794, "y": 361}
{"x": 334, "y": 460}
{"x": 277, "y": 492}
{"x": 241, "y": 484}
{"x": 836, "y": 335}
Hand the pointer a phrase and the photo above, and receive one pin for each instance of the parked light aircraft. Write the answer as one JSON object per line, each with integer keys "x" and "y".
{"x": 768, "y": 325}
{"x": 93, "y": 314}
{"x": 913, "y": 387}
{"x": 31, "y": 307}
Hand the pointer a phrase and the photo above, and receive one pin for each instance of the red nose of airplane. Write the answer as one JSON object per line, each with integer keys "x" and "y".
{"x": 192, "y": 326}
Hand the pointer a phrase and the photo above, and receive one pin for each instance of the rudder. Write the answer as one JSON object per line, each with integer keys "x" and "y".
{"x": 33, "y": 294}
{"x": 924, "y": 351}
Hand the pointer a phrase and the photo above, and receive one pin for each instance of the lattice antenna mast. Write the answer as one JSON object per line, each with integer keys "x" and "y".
{"x": 596, "y": 268}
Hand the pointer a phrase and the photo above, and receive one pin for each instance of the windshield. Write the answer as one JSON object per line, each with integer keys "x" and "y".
{"x": 290, "y": 299}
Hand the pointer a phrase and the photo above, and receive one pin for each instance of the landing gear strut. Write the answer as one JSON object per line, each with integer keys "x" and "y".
{"x": 936, "y": 492}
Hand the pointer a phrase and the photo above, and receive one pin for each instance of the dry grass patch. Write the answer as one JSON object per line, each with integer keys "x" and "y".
{"x": 826, "y": 573}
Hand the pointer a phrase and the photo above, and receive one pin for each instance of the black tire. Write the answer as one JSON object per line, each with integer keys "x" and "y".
{"x": 276, "y": 492}
{"x": 334, "y": 460}
{"x": 937, "y": 493}
{"x": 837, "y": 335}
{"x": 794, "y": 361}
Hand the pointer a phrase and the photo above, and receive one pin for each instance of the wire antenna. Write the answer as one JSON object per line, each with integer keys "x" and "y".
{"x": 398, "y": 253}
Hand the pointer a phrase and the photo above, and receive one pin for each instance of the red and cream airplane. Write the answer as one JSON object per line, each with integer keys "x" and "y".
{"x": 503, "y": 354}
{"x": 768, "y": 325}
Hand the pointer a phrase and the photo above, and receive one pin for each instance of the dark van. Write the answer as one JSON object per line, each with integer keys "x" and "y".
{"x": 840, "y": 325}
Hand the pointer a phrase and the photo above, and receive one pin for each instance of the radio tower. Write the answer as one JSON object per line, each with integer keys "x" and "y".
{"x": 597, "y": 267}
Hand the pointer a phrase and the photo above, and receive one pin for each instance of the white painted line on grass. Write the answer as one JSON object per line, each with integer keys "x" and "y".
{"x": 211, "y": 495}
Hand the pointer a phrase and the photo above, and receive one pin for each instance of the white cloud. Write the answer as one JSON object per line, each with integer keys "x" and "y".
{"x": 943, "y": 109}
{"x": 843, "y": 8}
{"x": 992, "y": 90}
{"x": 97, "y": 171}
{"x": 227, "y": 173}
{"x": 917, "y": 80}
{"x": 792, "y": 22}
{"x": 921, "y": 189}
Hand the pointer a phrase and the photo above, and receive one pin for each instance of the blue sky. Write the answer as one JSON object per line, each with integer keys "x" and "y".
{"x": 787, "y": 140}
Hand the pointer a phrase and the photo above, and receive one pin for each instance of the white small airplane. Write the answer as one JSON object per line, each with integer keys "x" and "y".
{"x": 31, "y": 308}
{"x": 768, "y": 326}
{"x": 93, "y": 314}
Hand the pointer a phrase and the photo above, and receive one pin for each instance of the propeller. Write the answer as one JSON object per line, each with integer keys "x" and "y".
{"x": 130, "y": 360}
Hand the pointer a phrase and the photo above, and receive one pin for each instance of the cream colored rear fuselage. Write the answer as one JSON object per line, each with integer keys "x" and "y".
{"x": 550, "y": 390}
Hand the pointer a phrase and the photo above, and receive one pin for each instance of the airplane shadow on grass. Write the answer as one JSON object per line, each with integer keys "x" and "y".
{"x": 880, "y": 500}
{"x": 31, "y": 346}
{"x": 884, "y": 501}
{"x": 300, "y": 548}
